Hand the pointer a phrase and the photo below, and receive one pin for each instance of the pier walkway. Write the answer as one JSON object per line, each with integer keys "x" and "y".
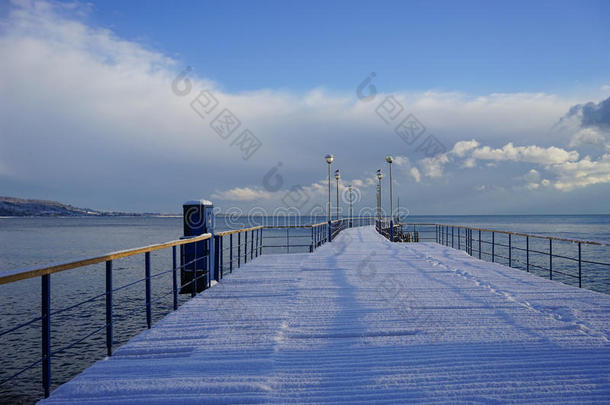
{"x": 359, "y": 320}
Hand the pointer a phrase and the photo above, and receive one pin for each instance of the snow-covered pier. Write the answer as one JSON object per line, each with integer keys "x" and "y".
{"x": 365, "y": 320}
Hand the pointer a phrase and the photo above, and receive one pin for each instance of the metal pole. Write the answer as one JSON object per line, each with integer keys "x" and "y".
{"x": 337, "y": 207}
{"x": 329, "y": 204}
{"x": 527, "y": 253}
{"x": 194, "y": 280}
{"x": 311, "y": 246}
{"x": 551, "y": 259}
{"x": 252, "y": 245}
{"x": 391, "y": 202}
{"x": 216, "y": 258}
{"x": 219, "y": 248}
{"x": 174, "y": 278}
{"x": 510, "y": 251}
{"x": 452, "y": 229}
{"x": 459, "y": 244}
{"x": 238, "y": 249}
{"x": 231, "y": 253}
{"x": 148, "y": 300}
{"x": 46, "y": 333}
{"x": 287, "y": 240}
{"x": 257, "y": 232}
{"x": 479, "y": 243}
{"x": 351, "y": 211}
{"x": 245, "y": 247}
{"x": 493, "y": 247}
{"x": 579, "y": 267}
{"x": 109, "y": 307}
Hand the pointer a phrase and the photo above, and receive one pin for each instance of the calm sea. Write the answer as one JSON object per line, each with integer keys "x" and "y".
{"x": 28, "y": 242}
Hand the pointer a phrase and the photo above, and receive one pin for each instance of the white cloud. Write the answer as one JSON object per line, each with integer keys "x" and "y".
{"x": 242, "y": 194}
{"x": 590, "y": 135}
{"x": 433, "y": 166}
{"x": 532, "y": 176}
{"x": 89, "y": 111}
{"x": 415, "y": 174}
{"x": 401, "y": 160}
{"x": 531, "y": 154}
{"x": 585, "y": 172}
{"x": 462, "y": 147}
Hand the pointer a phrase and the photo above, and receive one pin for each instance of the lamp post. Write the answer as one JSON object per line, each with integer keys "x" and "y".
{"x": 390, "y": 159}
{"x": 337, "y": 177}
{"x": 329, "y": 159}
{"x": 379, "y": 177}
{"x": 351, "y": 198}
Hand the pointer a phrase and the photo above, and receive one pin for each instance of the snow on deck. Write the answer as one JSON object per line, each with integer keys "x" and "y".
{"x": 364, "y": 320}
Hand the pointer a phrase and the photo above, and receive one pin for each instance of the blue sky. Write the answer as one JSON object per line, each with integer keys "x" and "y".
{"x": 472, "y": 46}
{"x": 516, "y": 94}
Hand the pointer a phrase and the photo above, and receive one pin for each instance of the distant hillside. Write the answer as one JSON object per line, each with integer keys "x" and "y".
{"x": 17, "y": 207}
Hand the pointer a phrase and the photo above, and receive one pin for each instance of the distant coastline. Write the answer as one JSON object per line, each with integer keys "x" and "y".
{"x": 11, "y": 207}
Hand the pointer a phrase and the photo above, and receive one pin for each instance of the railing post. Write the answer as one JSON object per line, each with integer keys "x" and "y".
{"x": 262, "y": 239}
{"x": 452, "y": 229}
{"x": 245, "y": 247}
{"x": 174, "y": 278}
{"x": 551, "y": 259}
{"x": 527, "y": 253}
{"x": 579, "y": 266}
{"x": 148, "y": 294}
{"x": 510, "y": 251}
{"x": 330, "y": 237}
{"x": 46, "y": 333}
{"x": 231, "y": 253}
{"x": 459, "y": 244}
{"x": 257, "y": 231}
{"x": 479, "y": 243}
{"x": 109, "y": 307}
{"x": 311, "y": 247}
{"x": 391, "y": 230}
{"x": 238, "y": 249}
{"x": 216, "y": 258}
{"x": 287, "y": 240}
{"x": 493, "y": 247}
{"x": 221, "y": 256}
{"x": 251, "y": 245}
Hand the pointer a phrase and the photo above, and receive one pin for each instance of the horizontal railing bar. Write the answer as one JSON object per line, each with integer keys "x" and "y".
{"x": 11, "y": 276}
{"x": 594, "y": 262}
{"x": 23, "y": 370}
{"x": 588, "y": 242}
{"x": 71, "y": 345}
{"x": 223, "y": 233}
{"x": 59, "y": 311}
{"x": 277, "y": 246}
{"x": 31, "y": 321}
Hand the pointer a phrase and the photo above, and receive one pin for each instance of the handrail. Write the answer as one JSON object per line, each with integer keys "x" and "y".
{"x": 515, "y": 233}
{"x": 16, "y": 275}
{"x": 223, "y": 233}
{"x": 244, "y": 245}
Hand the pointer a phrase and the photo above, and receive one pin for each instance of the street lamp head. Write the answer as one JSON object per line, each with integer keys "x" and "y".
{"x": 389, "y": 159}
{"x": 329, "y": 158}
{"x": 379, "y": 174}
{"x": 337, "y": 175}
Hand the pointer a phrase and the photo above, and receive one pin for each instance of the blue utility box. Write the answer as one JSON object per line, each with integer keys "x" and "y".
{"x": 198, "y": 218}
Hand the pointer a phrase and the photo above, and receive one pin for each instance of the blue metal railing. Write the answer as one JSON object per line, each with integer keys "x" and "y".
{"x": 226, "y": 251}
{"x": 572, "y": 261}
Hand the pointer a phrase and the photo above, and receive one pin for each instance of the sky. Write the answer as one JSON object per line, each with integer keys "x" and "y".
{"x": 487, "y": 107}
